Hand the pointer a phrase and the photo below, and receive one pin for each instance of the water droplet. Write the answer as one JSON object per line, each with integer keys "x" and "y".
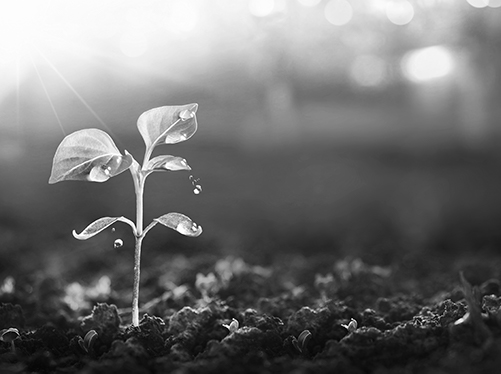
{"x": 195, "y": 183}
{"x": 186, "y": 115}
{"x": 99, "y": 174}
{"x": 113, "y": 229}
{"x": 118, "y": 243}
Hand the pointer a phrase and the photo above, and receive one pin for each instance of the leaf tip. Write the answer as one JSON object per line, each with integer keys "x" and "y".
{"x": 76, "y": 235}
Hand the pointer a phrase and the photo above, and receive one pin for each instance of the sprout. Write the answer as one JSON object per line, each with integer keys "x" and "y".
{"x": 301, "y": 342}
{"x": 88, "y": 341}
{"x": 351, "y": 326}
{"x": 9, "y": 336}
{"x": 91, "y": 155}
{"x": 233, "y": 326}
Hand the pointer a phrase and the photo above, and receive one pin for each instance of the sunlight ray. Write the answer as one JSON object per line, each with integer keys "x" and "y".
{"x": 18, "y": 94}
{"x": 70, "y": 86}
{"x": 47, "y": 95}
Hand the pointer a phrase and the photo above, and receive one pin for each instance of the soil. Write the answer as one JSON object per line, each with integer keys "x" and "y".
{"x": 201, "y": 314}
{"x": 342, "y": 264}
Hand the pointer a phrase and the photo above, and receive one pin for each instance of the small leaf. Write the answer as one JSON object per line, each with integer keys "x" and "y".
{"x": 168, "y": 124}
{"x": 171, "y": 163}
{"x": 88, "y": 155}
{"x": 9, "y": 335}
{"x": 303, "y": 339}
{"x": 89, "y": 339}
{"x": 180, "y": 223}
{"x": 99, "y": 225}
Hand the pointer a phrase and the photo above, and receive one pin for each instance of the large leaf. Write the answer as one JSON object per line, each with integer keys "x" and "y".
{"x": 180, "y": 223}
{"x": 88, "y": 155}
{"x": 165, "y": 162}
{"x": 168, "y": 124}
{"x": 99, "y": 225}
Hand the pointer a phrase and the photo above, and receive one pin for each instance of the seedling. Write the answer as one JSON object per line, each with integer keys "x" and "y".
{"x": 233, "y": 326}
{"x": 9, "y": 336}
{"x": 301, "y": 343}
{"x": 91, "y": 155}
{"x": 88, "y": 341}
{"x": 351, "y": 326}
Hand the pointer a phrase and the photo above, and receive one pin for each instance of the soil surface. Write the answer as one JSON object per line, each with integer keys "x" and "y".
{"x": 342, "y": 264}
{"x": 297, "y": 314}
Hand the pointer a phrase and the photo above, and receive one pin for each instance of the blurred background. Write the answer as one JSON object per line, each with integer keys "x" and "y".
{"x": 369, "y": 127}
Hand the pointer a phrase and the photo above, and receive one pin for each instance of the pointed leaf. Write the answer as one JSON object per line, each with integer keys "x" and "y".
{"x": 88, "y": 155}
{"x": 166, "y": 162}
{"x": 99, "y": 225}
{"x": 168, "y": 124}
{"x": 180, "y": 223}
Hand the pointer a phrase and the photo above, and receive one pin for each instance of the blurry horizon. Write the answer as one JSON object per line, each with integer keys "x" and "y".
{"x": 315, "y": 116}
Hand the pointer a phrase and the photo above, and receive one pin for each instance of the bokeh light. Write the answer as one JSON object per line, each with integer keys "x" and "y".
{"x": 427, "y": 63}
{"x": 309, "y": 3}
{"x": 338, "y": 12}
{"x": 399, "y": 12}
{"x": 494, "y": 3}
{"x": 261, "y": 8}
{"x": 478, "y": 3}
{"x": 180, "y": 17}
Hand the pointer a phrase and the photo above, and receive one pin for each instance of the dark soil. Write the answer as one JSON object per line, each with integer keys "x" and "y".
{"x": 417, "y": 315}
{"x": 339, "y": 265}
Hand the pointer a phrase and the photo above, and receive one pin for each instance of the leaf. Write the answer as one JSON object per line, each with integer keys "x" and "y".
{"x": 99, "y": 225}
{"x": 168, "y": 124}
{"x": 180, "y": 223}
{"x": 171, "y": 163}
{"x": 88, "y": 155}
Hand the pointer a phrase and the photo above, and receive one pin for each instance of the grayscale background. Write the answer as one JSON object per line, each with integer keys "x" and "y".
{"x": 365, "y": 127}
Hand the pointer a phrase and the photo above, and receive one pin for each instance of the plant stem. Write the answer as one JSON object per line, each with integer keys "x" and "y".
{"x": 139, "y": 187}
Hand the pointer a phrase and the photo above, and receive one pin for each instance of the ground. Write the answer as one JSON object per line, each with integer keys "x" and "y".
{"x": 396, "y": 269}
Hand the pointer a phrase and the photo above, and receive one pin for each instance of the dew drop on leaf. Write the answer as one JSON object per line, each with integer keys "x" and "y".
{"x": 186, "y": 115}
{"x": 112, "y": 229}
{"x": 118, "y": 243}
{"x": 99, "y": 174}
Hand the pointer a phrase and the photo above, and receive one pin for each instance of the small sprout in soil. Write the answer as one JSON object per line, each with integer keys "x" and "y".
{"x": 301, "y": 343}
{"x": 91, "y": 155}
{"x": 233, "y": 326}
{"x": 351, "y": 326}
{"x": 474, "y": 315}
{"x": 9, "y": 336}
{"x": 88, "y": 341}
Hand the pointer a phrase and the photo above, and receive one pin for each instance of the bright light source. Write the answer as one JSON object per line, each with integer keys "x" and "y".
{"x": 20, "y": 28}
{"x": 133, "y": 44}
{"x": 181, "y": 17}
{"x": 399, "y": 12}
{"x": 368, "y": 70}
{"x": 427, "y": 3}
{"x": 309, "y": 3}
{"x": 261, "y": 8}
{"x": 427, "y": 63}
{"x": 106, "y": 26}
{"x": 338, "y": 12}
{"x": 478, "y": 3}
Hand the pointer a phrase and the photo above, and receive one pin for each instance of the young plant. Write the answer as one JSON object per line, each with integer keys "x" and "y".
{"x": 91, "y": 155}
